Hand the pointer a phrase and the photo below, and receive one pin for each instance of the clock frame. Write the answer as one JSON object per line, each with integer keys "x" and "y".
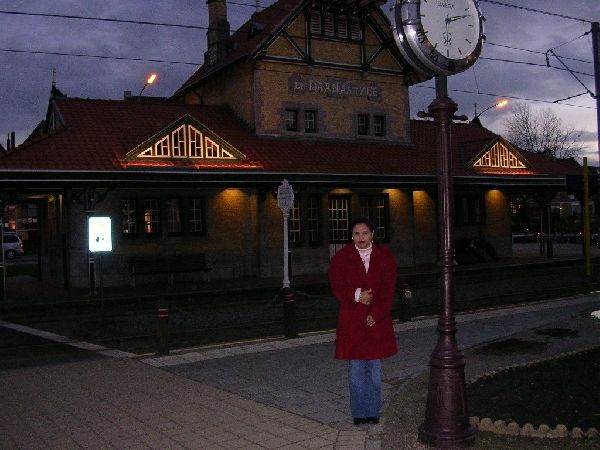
{"x": 413, "y": 36}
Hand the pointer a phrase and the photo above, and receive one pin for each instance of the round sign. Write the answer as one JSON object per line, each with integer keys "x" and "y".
{"x": 285, "y": 197}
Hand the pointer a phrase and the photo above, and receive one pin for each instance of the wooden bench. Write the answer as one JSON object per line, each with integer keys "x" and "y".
{"x": 169, "y": 265}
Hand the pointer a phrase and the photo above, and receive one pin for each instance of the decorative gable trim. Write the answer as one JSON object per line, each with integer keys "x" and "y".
{"x": 185, "y": 139}
{"x": 500, "y": 155}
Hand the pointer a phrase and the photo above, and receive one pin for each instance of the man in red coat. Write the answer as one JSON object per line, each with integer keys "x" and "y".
{"x": 363, "y": 281}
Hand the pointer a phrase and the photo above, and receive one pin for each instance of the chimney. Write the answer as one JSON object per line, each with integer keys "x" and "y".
{"x": 12, "y": 140}
{"x": 217, "y": 37}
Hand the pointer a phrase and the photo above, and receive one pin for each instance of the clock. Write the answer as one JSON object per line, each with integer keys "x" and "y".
{"x": 439, "y": 37}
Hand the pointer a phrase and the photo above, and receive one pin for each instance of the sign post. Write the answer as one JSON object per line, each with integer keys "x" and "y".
{"x": 100, "y": 241}
{"x": 285, "y": 201}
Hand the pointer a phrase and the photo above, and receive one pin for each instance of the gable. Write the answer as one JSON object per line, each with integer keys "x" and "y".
{"x": 185, "y": 139}
{"x": 500, "y": 156}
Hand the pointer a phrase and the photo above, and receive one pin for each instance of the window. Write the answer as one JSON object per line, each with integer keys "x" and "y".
{"x": 151, "y": 216}
{"x": 379, "y": 125}
{"x": 195, "y": 143}
{"x": 291, "y": 119}
{"x": 178, "y": 139}
{"x": 294, "y": 222}
{"x": 128, "y": 222}
{"x": 173, "y": 216}
{"x": 469, "y": 210}
{"x": 313, "y": 219}
{"x": 315, "y": 22}
{"x": 365, "y": 206}
{"x": 196, "y": 216}
{"x": 328, "y": 25}
{"x": 381, "y": 217}
{"x": 339, "y": 219}
{"x": 310, "y": 121}
{"x": 363, "y": 124}
{"x": 162, "y": 147}
{"x": 342, "y": 27}
{"x": 355, "y": 31}
{"x": 332, "y": 26}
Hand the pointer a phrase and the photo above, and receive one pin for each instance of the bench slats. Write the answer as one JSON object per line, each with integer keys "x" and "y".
{"x": 168, "y": 265}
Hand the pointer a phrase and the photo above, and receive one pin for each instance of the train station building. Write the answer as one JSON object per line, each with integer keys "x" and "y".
{"x": 315, "y": 93}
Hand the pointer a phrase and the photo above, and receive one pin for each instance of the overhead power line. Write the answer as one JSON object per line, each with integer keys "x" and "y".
{"x": 104, "y": 19}
{"x": 84, "y": 55}
{"x": 538, "y": 11}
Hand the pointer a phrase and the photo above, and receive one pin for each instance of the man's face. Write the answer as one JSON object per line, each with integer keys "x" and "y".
{"x": 362, "y": 236}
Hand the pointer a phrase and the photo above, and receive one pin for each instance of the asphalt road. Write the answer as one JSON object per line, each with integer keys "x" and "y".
{"x": 20, "y": 350}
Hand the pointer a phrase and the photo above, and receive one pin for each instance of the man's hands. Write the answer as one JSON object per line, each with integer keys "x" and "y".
{"x": 370, "y": 320}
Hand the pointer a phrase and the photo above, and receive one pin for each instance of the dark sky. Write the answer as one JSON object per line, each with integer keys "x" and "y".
{"x": 513, "y": 35}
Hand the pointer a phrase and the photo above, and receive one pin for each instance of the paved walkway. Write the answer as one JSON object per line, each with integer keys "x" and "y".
{"x": 288, "y": 394}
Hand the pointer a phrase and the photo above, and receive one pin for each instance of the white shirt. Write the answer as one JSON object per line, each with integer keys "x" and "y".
{"x": 365, "y": 255}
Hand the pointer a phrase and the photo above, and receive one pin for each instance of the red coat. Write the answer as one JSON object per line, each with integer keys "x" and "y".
{"x": 355, "y": 339}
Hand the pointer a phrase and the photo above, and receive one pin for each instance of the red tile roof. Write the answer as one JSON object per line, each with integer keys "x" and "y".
{"x": 245, "y": 44}
{"x": 99, "y": 133}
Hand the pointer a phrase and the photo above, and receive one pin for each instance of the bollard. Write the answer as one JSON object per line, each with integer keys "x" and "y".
{"x": 405, "y": 314}
{"x": 162, "y": 327}
{"x": 289, "y": 313}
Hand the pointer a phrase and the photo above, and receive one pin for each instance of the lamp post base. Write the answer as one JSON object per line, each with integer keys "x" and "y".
{"x": 446, "y": 419}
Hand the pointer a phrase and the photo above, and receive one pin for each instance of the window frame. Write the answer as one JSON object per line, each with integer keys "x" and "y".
{"x": 168, "y": 211}
{"x": 381, "y": 119}
{"x": 382, "y": 217}
{"x": 294, "y": 113}
{"x": 294, "y": 223}
{"x": 307, "y": 121}
{"x": 196, "y": 204}
{"x": 155, "y": 217}
{"x": 362, "y": 124}
{"x": 313, "y": 214}
{"x": 340, "y": 233}
{"x": 130, "y": 216}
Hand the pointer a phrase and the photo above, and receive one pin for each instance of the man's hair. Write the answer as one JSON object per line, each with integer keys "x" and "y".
{"x": 365, "y": 221}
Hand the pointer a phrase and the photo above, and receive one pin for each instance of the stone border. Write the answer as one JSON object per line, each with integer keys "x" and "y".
{"x": 528, "y": 430}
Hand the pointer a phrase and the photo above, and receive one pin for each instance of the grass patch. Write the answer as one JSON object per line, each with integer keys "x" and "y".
{"x": 563, "y": 390}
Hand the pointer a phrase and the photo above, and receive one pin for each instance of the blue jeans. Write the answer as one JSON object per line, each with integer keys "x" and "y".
{"x": 364, "y": 377}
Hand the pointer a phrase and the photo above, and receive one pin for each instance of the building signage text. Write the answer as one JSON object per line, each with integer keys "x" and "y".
{"x": 334, "y": 87}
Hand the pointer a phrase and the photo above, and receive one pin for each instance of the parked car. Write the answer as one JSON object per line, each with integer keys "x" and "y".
{"x": 12, "y": 245}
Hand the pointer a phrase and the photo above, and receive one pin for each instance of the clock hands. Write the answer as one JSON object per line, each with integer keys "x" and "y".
{"x": 455, "y": 18}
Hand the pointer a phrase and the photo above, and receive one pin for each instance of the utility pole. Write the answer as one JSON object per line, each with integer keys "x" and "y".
{"x": 596, "y": 49}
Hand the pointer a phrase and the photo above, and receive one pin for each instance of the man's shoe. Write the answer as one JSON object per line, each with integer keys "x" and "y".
{"x": 372, "y": 420}
{"x": 359, "y": 420}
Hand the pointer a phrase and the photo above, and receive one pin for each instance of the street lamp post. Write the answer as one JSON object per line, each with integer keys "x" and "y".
{"x": 475, "y": 120}
{"x": 151, "y": 79}
{"x": 446, "y": 418}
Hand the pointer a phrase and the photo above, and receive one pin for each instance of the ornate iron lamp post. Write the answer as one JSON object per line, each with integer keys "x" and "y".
{"x": 446, "y": 418}
{"x": 438, "y": 39}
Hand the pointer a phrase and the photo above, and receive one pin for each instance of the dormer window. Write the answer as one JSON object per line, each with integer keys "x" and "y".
{"x": 315, "y": 22}
{"x": 330, "y": 25}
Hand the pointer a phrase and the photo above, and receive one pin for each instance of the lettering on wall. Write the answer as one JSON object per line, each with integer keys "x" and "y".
{"x": 334, "y": 87}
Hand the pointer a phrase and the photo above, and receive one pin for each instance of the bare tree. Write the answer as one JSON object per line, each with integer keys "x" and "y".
{"x": 542, "y": 132}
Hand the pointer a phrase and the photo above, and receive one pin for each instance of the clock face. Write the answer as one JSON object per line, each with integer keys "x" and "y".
{"x": 451, "y": 26}
{"x": 439, "y": 37}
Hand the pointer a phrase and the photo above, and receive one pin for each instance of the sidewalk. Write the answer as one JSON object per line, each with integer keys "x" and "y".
{"x": 285, "y": 394}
